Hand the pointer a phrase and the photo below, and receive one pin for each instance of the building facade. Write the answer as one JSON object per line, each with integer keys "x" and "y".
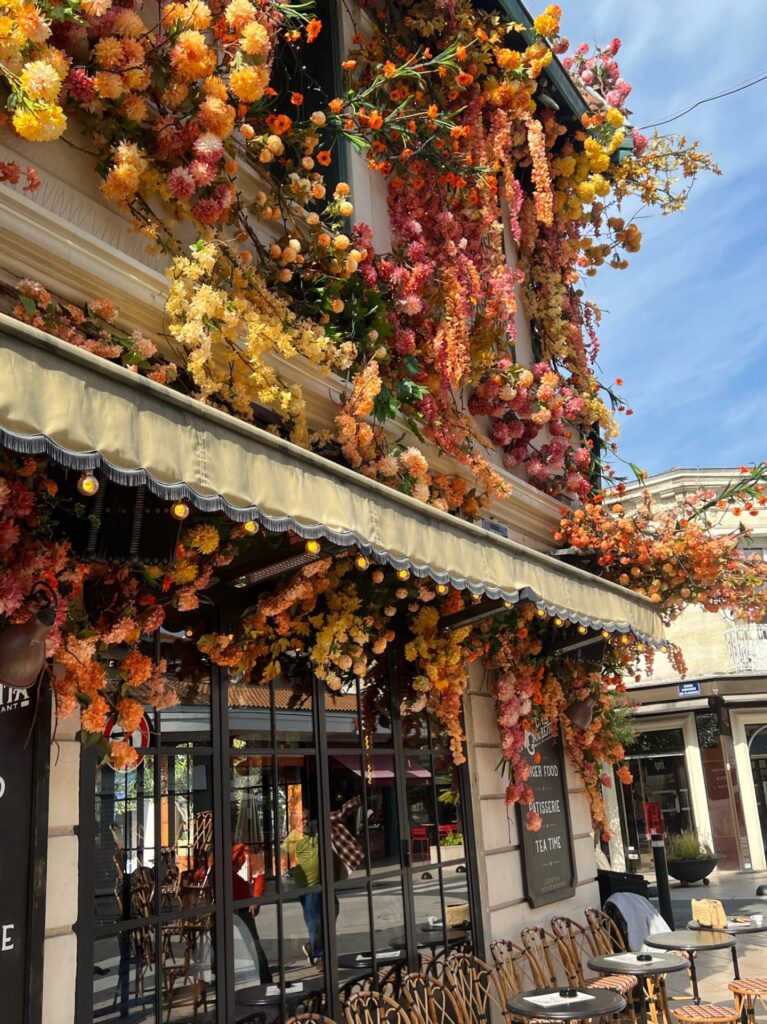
{"x": 698, "y": 760}
{"x": 274, "y": 840}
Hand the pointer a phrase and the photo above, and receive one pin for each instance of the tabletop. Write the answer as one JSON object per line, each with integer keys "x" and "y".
{"x": 359, "y": 960}
{"x": 690, "y": 940}
{"x": 731, "y": 929}
{"x": 628, "y": 963}
{"x": 583, "y": 1004}
{"x": 271, "y": 995}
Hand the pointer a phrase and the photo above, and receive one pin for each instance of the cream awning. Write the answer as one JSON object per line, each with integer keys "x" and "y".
{"x": 89, "y": 414}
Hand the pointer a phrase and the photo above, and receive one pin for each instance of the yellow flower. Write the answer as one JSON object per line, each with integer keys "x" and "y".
{"x": 42, "y": 124}
{"x": 255, "y": 40}
{"x": 248, "y": 83}
{"x": 614, "y": 118}
{"x": 40, "y": 81}
{"x": 204, "y": 538}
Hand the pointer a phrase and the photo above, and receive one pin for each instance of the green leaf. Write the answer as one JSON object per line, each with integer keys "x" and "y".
{"x": 411, "y": 365}
{"x": 28, "y": 304}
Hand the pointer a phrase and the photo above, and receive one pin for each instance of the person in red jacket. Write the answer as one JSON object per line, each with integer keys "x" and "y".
{"x": 245, "y": 889}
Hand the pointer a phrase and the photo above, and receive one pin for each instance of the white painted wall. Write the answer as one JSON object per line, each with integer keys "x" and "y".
{"x": 505, "y": 908}
{"x": 60, "y": 951}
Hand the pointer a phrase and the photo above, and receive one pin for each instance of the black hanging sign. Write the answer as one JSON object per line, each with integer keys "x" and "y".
{"x": 24, "y": 743}
{"x": 547, "y": 855}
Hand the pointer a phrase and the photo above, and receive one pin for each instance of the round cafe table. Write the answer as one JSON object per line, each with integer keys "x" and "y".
{"x": 690, "y": 941}
{"x": 272, "y": 995}
{"x": 578, "y": 1004}
{"x": 731, "y": 928}
{"x": 642, "y": 966}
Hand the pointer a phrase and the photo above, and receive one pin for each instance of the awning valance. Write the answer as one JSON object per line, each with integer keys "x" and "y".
{"x": 87, "y": 413}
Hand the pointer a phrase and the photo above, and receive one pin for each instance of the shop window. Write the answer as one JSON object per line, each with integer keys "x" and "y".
{"x": 658, "y": 799}
{"x": 276, "y": 845}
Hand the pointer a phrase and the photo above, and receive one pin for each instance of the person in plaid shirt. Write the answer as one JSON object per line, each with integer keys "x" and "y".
{"x": 348, "y": 850}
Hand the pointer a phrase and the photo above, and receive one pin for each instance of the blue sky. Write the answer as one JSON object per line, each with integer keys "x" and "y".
{"x": 685, "y": 324}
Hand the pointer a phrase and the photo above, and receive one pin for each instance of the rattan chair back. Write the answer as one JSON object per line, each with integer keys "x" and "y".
{"x": 475, "y": 987}
{"x": 375, "y": 1008}
{"x": 544, "y": 957}
{"x": 430, "y": 1001}
{"x": 605, "y": 932}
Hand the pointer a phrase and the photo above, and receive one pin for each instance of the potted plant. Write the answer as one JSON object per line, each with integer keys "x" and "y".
{"x": 690, "y": 859}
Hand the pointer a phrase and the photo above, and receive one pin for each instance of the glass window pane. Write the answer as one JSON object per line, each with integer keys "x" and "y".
{"x": 254, "y": 870}
{"x": 187, "y": 965}
{"x": 389, "y": 917}
{"x": 294, "y": 715}
{"x": 256, "y": 946}
{"x": 450, "y": 824}
{"x": 124, "y": 982}
{"x": 347, "y": 827}
{"x": 375, "y": 706}
{"x": 421, "y": 810}
{"x": 124, "y": 808}
{"x": 352, "y": 928}
{"x": 342, "y": 717}
{"x": 298, "y": 813}
{"x": 189, "y": 674}
{"x": 382, "y": 816}
{"x": 184, "y": 845}
{"x": 250, "y": 715}
{"x": 455, "y": 885}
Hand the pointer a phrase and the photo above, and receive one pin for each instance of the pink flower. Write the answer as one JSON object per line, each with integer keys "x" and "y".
{"x": 202, "y": 171}
{"x": 209, "y": 147}
{"x": 181, "y": 183}
{"x": 533, "y": 821}
{"x": 80, "y": 85}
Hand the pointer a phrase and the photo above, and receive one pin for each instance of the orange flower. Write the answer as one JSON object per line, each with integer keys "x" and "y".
{"x": 324, "y": 157}
{"x": 313, "y": 29}
{"x": 375, "y": 120}
{"x": 432, "y": 111}
{"x": 464, "y": 78}
{"x": 389, "y": 69}
{"x": 349, "y": 65}
{"x": 296, "y": 98}
{"x": 279, "y": 123}
{"x": 336, "y": 106}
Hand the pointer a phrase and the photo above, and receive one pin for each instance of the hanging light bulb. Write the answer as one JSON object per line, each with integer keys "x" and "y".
{"x": 403, "y": 574}
{"x": 179, "y": 510}
{"x": 313, "y": 547}
{"x": 604, "y": 634}
{"x": 541, "y": 613}
{"x": 22, "y": 646}
{"x": 558, "y": 621}
{"x": 476, "y": 598}
{"x": 250, "y": 527}
{"x": 361, "y": 562}
{"x": 441, "y": 588}
{"x": 87, "y": 484}
{"x": 582, "y": 630}
{"x": 507, "y": 604}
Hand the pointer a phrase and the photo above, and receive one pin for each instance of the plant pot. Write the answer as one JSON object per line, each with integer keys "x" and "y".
{"x": 690, "y": 871}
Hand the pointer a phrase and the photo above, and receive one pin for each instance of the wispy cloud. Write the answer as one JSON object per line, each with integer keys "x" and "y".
{"x": 686, "y": 325}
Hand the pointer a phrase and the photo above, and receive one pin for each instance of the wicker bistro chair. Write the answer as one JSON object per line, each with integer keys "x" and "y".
{"x": 512, "y": 967}
{"x": 748, "y": 992}
{"x": 309, "y": 1018}
{"x": 576, "y": 945}
{"x": 375, "y": 1008}
{"x": 545, "y": 959}
{"x": 706, "y": 1013}
{"x": 605, "y": 934}
{"x": 475, "y": 988}
{"x": 429, "y": 1001}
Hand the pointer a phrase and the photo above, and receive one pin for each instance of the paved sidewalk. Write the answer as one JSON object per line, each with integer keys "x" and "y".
{"x": 737, "y": 891}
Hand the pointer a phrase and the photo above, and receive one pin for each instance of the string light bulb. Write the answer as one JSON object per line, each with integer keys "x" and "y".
{"x": 250, "y": 527}
{"x": 541, "y": 613}
{"x": 441, "y": 588}
{"x": 361, "y": 562}
{"x": 403, "y": 574}
{"x": 507, "y": 604}
{"x": 604, "y": 634}
{"x": 313, "y": 547}
{"x": 87, "y": 484}
{"x": 558, "y": 622}
{"x": 476, "y": 598}
{"x": 179, "y": 510}
{"x": 582, "y": 630}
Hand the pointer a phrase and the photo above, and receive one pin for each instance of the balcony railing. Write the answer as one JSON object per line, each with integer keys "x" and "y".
{"x": 747, "y": 648}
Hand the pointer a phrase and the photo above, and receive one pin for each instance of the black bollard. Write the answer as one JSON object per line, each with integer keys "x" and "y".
{"x": 661, "y": 879}
{"x": 761, "y": 890}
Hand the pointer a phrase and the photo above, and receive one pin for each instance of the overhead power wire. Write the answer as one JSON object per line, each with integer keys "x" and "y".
{"x": 709, "y": 99}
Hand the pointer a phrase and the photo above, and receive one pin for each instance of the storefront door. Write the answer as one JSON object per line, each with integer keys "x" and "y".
{"x": 299, "y": 845}
{"x": 658, "y": 799}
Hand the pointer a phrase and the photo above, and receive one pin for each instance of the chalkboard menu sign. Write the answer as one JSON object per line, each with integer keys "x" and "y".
{"x": 548, "y": 860}
{"x": 24, "y": 744}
